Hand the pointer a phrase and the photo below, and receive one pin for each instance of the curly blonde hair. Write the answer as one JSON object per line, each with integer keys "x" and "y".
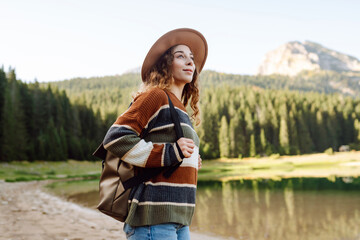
{"x": 160, "y": 76}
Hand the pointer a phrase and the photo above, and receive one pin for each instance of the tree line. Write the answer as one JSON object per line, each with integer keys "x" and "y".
{"x": 112, "y": 94}
{"x": 41, "y": 124}
{"x": 109, "y": 94}
{"x": 240, "y": 117}
{"x": 250, "y": 121}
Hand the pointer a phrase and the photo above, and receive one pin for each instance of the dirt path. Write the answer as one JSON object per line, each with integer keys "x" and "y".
{"x": 27, "y": 212}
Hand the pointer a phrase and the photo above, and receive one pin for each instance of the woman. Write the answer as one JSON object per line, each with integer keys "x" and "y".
{"x": 162, "y": 208}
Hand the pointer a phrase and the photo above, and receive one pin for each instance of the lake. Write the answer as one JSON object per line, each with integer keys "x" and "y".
{"x": 297, "y": 208}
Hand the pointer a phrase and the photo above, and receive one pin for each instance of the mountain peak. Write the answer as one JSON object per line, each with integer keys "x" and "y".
{"x": 295, "y": 56}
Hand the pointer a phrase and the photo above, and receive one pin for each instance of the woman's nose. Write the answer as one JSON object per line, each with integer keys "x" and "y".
{"x": 189, "y": 62}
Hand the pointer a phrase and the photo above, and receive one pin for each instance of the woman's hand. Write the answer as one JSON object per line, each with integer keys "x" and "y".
{"x": 187, "y": 146}
{"x": 200, "y": 162}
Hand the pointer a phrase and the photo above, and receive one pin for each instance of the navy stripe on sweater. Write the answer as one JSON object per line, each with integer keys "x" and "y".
{"x": 164, "y": 118}
{"x": 116, "y": 132}
{"x": 168, "y": 194}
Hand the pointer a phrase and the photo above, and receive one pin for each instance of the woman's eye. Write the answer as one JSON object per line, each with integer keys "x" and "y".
{"x": 183, "y": 56}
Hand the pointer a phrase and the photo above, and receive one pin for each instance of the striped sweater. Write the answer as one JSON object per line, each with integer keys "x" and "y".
{"x": 160, "y": 200}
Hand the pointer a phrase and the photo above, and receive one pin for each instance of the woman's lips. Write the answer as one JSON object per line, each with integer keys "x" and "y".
{"x": 188, "y": 70}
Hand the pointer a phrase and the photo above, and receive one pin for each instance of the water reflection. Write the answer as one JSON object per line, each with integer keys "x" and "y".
{"x": 232, "y": 210}
{"x": 289, "y": 199}
{"x": 264, "y": 209}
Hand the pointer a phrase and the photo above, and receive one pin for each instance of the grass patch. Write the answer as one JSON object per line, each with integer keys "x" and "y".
{"x": 43, "y": 170}
{"x": 51, "y": 172}
{"x": 22, "y": 172}
{"x": 311, "y": 165}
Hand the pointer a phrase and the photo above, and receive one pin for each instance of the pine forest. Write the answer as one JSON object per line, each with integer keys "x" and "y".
{"x": 241, "y": 116}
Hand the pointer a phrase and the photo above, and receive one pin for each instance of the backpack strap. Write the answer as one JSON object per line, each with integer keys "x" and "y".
{"x": 175, "y": 118}
{"x": 179, "y": 134}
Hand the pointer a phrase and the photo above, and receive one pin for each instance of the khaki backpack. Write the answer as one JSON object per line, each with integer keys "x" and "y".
{"x": 118, "y": 177}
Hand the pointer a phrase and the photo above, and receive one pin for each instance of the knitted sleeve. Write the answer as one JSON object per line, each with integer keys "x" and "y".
{"x": 123, "y": 137}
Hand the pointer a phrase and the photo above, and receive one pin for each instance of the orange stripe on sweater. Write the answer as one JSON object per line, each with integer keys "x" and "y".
{"x": 154, "y": 160}
{"x": 181, "y": 175}
{"x": 143, "y": 108}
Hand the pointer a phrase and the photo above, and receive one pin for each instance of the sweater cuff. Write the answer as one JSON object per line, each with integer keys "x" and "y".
{"x": 181, "y": 155}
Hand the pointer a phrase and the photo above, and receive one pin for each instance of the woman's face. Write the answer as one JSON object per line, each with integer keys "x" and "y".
{"x": 183, "y": 65}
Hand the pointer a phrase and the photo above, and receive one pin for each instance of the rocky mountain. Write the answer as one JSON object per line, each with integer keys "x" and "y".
{"x": 294, "y": 57}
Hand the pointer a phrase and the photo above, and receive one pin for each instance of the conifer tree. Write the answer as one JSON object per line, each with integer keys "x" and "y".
{"x": 236, "y": 136}
{"x": 357, "y": 128}
{"x": 252, "y": 146}
{"x": 263, "y": 142}
{"x": 305, "y": 141}
{"x": 224, "y": 139}
{"x": 274, "y": 128}
{"x": 27, "y": 104}
{"x": 241, "y": 137}
{"x": 294, "y": 138}
{"x": 54, "y": 145}
{"x": 14, "y": 130}
{"x": 284, "y": 136}
{"x": 3, "y": 86}
{"x": 321, "y": 141}
{"x": 63, "y": 143}
{"x": 249, "y": 130}
{"x": 331, "y": 130}
{"x": 210, "y": 125}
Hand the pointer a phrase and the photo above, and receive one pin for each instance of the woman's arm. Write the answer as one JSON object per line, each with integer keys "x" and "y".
{"x": 123, "y": 138}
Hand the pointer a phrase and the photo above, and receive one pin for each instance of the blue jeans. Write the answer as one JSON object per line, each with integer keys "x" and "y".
{"x": 168, "y": 231}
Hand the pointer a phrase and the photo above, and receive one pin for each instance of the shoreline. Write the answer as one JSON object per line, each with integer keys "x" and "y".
{"x": 29, "y": 212}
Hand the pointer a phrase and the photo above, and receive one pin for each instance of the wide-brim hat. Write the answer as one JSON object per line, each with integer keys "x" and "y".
{"x": 182, "y": 36}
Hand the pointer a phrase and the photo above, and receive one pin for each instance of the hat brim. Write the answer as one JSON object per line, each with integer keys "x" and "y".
{"x": 182, "y": 36}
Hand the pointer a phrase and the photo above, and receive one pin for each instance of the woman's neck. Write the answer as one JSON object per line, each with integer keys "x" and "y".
{"x": 177, "y": 90}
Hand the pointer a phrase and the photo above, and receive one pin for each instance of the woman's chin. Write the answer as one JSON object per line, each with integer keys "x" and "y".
{"x": 183, "y": 80}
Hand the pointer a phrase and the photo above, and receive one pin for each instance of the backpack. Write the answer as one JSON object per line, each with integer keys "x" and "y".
{"x": 118, "y": 177}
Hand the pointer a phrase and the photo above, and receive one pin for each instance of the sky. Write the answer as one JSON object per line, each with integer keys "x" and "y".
{"x": 52, "y": 40}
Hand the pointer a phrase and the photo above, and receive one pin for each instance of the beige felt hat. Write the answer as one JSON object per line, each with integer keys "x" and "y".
{"x": 184, "y": 36}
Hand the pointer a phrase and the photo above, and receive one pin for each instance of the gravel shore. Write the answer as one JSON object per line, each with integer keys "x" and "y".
{"x": 27, "y": 212}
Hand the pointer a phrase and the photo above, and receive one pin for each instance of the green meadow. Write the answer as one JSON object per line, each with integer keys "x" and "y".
{"x": 274, "y": 167}
{"x": 318, "y": 165}
{"x": 43, "y": 170}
